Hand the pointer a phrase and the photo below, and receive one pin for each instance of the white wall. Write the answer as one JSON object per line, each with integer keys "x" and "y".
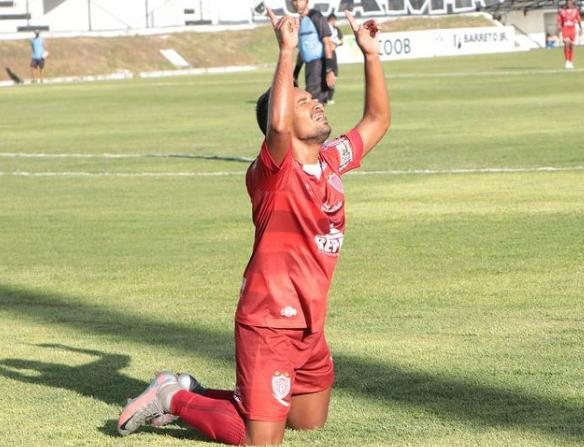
{"x": 532, "y": 23}
{"x": 73, "y": 15}
{"x": 100, "y": 15}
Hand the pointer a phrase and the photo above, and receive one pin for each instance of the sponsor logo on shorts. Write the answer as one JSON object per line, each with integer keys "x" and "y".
{"x": 288, "y": 312}
{"x": 329, "y": 244}
{"x": 281, "y": 385}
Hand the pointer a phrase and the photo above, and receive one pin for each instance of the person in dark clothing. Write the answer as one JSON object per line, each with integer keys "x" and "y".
{"x": 337, "y": 39}
{"x": 315, "y": 49}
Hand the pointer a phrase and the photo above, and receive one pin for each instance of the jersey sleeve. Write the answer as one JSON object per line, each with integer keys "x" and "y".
{"x": 265, "y": 174}
{"x": 345, "y": 152}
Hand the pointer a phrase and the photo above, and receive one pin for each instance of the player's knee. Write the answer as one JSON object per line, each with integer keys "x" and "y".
{"x": 312, "y": 424}
{"x": 264, "y": 433}
{"x": 262, "y": 439}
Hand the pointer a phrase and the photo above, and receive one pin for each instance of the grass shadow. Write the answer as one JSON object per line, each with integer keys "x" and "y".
{"x": 174, "y": 430}
{"x": 447, "y": 397}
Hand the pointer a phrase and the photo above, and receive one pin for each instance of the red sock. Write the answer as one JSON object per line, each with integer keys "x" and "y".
{"x": 218, "y": 394}
{"x": 571, "y": 53}
{"x": 566, "y": 52}
{"x": 215, "y": 417}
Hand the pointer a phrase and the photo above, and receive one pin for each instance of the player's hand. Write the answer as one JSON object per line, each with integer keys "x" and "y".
{"x": 365, "y": 34}
{"x": 286, "y": 29}
{"x": 331, "y": 79}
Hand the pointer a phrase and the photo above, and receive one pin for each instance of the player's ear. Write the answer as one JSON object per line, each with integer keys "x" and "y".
{"x": 262, "y": 106}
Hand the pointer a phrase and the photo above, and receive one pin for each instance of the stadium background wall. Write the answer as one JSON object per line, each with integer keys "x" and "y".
{"x": 105, "y": 15}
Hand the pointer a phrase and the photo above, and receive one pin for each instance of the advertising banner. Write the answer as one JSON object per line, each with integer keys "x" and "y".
{"x": 430, "y": 43}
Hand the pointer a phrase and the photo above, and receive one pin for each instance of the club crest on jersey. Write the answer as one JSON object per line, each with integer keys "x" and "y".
{"x": 335, "y": 181}
{"x": 329, "y": 244}
{"x": 281, "y": 385}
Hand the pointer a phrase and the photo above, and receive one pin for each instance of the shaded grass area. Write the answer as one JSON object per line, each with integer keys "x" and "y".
{"x": 463, "y": 399}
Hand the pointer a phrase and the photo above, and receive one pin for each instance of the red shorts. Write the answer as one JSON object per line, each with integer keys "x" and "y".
{"x": 275, "y": 364}
{"x": 569, "y": 34}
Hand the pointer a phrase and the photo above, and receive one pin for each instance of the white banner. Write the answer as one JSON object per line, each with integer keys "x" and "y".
{"x": 381, "y": 8}
{"x": 430, "y": 43}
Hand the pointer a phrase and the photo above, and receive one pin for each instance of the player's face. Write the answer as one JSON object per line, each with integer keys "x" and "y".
{"x": 310, "y": 122}
{"x": 300, "y": 5}
{"x": 570, "y": 4}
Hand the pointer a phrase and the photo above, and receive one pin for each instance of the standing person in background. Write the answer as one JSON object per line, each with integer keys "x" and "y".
{"x": 39, "y": 54}
{"x": 315, "y": 49}
{"x": 337, "y": 39}
{"x": 566, "y": 20}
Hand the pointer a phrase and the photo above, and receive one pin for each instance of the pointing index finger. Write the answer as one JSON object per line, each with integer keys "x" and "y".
{"x": 272, "y": 17}
{"x": 351, "y": 20}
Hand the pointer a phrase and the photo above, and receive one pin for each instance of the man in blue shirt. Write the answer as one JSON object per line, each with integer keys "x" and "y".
{"x": 315, "y": 49}
{"x": 39, "y": 54}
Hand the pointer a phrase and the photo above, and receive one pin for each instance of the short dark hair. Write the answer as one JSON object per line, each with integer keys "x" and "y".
{"x": 332, "y": 16}
{"x": 262, "y": 107}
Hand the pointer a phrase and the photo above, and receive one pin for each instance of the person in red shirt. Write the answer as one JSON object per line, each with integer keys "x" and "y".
{"x": 284, "y": 371}
{"x": 567, "y": 19}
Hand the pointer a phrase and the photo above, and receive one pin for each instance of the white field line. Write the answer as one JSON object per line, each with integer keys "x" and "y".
{"x": 121, "y": 174}
{"x": 483, "y": 73}
{"x": 47, "y": 155}
{"x": 119, "y": 156}
{"x": 543, "y": 169}
{"x": 215, "y": 70}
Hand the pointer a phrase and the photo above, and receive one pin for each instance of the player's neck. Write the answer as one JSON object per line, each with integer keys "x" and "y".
{"x": 305, "y": 153}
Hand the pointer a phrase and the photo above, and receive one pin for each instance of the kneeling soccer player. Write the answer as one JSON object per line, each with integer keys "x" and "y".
{"x": 284, "y": 366}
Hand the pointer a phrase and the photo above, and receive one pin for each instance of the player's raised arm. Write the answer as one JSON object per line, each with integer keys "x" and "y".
{"x": 377, "y": 113}
{"x": 281, "y": 105}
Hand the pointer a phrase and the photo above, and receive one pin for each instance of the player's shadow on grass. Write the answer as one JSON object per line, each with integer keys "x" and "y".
{"x": 458, "y": 399}
{"x": 99, "y": 379}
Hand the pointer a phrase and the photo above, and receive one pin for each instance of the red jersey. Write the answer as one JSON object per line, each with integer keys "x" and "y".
{"x": 299, "y": 217}
{"x": 569, "y": 18}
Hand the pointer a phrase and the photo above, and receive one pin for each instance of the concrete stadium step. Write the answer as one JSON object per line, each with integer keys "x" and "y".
{"x": 5, "y": 4}
{"x": 24, "y": 16}
{"x": 30, "y": 28}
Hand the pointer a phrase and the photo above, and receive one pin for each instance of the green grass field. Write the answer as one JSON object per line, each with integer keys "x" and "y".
{"x": 457, "y": 311}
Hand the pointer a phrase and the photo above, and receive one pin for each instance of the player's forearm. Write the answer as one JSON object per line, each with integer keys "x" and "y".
{"x": 377, "y": 108}
{"x": 328, "y": 47}
{"x": 298, "y": 66}
{"x": 282, "y": 95}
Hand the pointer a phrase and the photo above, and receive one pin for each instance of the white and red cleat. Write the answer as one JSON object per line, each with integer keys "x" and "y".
{"x": 153, "y": 403}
